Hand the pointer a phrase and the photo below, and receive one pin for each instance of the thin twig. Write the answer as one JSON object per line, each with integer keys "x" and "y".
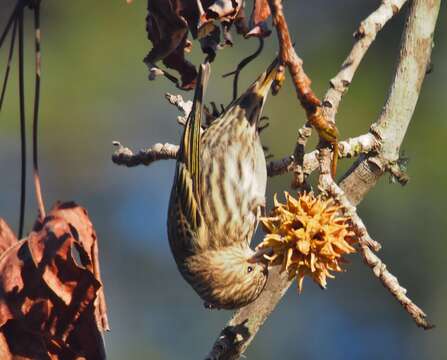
{"x": 22, "y": 126}
{"x": 328, "y": 185}
{"x": 182, "y": 105}
{"x": 243, "y": 64}
{"x": 348, "y": 148}
{"x": 103, "y": 322}
{"x": 299, "y": 177}
{"x": 13, "y": 17}
{"x": 37, "y": 185}
{"x": 8, "y": 65}
{"x": 287, "y": 54}
{"x": 351, "y": 147}
{"x": 365, "y": 35}
{"x": 389, "y": 281}
{"x": 391, "y": 126}
{"x": 125, "y": 156}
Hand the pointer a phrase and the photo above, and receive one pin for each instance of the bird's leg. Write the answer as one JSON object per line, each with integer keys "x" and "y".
{"x": 328, "y": 133}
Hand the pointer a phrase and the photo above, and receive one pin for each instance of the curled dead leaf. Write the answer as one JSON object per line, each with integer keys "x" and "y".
{"x": 169, "y": 21}
{"x": 51, "y": 298}
{"x": 7, "y": 236}
{"x": 167, "y": 29}
{"x": 258, "y": 20}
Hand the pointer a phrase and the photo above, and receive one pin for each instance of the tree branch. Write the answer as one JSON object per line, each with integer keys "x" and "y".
{"x": 352, "y": 147}
{"x": 324, "y": 121}
{"x": 365, "y": 35}
{"x": 391, "y": 127}
{"x": 182, "y": 105}
{"x": 299, "y": 174}
{"x": 327, "y": 130}
{"x": 389, "y": 281}
{"x": 328, "y": 185}
{"x": 125, "y": 156}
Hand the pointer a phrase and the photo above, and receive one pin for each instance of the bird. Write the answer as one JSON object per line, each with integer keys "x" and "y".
{"x": 218, "y": 196}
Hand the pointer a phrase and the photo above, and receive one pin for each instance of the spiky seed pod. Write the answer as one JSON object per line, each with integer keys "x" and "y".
{"x": 307, "y": 236}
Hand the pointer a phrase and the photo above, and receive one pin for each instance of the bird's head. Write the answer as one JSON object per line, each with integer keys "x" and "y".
{"x": 228, "y": 278}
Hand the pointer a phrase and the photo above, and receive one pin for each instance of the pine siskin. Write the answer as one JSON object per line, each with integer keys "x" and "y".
{"x": 217, "y": 197}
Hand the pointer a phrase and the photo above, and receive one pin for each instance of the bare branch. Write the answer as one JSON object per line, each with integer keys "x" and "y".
{"x": 125, "y": 156}
{"x": 389, "y": 281}
{"x": 182, "y": 105}
{"x": 299, "y": 177}
{"x": 328, "y": 185}
{"x": 365, "y": 35}
{"x": 288, "y": 56}
{"x": 390, "y": 128}
{"x": 352, "y": 147}
{"x": 241, "y": 329}
{"x": 349, "y": 148}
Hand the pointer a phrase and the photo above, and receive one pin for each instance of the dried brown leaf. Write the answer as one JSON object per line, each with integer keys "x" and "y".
{"x": 169, "y": 21}
{"x": 48, "y": 290}
{"x": 224, "y": 10}
{"x": 258, "y": 21}
{"x": 7, "y": 236}
{"x": 77, "y": 217}
{"x": 167, "y": 29}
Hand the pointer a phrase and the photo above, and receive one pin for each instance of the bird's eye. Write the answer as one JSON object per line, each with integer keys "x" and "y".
{"x": 249, "y": 269}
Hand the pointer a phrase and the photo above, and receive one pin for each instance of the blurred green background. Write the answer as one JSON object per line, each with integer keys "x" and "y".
{"x": 95, "y": 90}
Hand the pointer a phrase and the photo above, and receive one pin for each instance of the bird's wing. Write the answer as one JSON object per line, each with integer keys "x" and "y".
{"x": 187, "y": 172}
{"x": 233, "y": 169}
{"x": 190, "y": 146}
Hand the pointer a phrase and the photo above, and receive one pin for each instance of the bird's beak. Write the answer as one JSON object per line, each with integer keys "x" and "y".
{"x": 258, "y": 256}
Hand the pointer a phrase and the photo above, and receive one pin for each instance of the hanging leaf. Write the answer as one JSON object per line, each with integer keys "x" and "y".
{"x": 51, "y": 303}
{"x": 223, "y": 10}
{"x": 258, "y": 20}
{"x": 168, "y": 31}
{"x": 169, "y": 22}
{"x": 7, "y": 236}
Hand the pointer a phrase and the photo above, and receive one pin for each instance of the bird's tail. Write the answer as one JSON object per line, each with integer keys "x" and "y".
{"x": 190, "y": 145}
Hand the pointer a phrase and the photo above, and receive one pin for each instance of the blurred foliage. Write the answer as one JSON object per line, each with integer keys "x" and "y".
{"x": 95, "y": 90}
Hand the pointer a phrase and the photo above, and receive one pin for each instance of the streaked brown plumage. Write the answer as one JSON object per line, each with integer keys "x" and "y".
{"x": 217, "y": 196}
